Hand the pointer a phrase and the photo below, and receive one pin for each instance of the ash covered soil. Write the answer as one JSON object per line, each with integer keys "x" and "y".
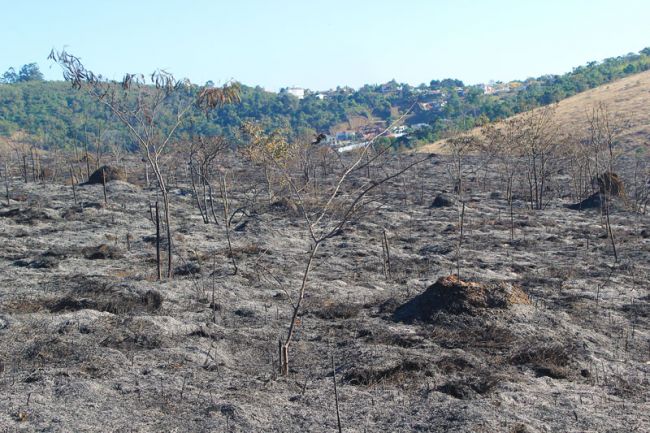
{"x": 546, "y": 332}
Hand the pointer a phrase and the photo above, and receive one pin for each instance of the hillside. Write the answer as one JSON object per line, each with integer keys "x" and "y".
{"x": 56, "y": 116}
{"x": 627, "y": 99}
{"x": 90, "y": 341}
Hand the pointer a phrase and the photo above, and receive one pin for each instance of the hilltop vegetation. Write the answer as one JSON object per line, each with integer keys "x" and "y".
{"x": 54, "y": 115}
{"x": 626, "y": 100}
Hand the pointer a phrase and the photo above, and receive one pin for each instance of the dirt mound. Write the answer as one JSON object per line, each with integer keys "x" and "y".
{"x": 106, "y": 173}
{"x": 442, "y": 200}
{"x": 546, "y": 360}
{"x": 451, "y": 295}
{"x": 609, "y": 184}
{"x": 402, "y": 372}
{"x": 594, "y": 201}
{"x": 469, "y": 388}
{"x": 29, "y": 215}
{"x": 190, "y": 268}
{"x": 108, "y": 297}
{"x": 285, "y": 205}
{"x": 44, "y": 262}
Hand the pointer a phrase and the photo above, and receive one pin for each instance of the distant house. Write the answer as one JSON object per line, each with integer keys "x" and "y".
{"x": 391, "y": 86}
{"x": 486, "y": 88}
{"x": 418, "y": 126}
{"x": 298, "y": 92}
{"x": 430, "y": 105}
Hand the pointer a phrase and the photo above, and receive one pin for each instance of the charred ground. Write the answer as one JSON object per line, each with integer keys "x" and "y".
{"x": 90, "y": 341}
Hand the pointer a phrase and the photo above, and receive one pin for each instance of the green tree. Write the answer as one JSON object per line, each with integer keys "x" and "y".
{"x": 30, "y": 72}
{"x": 9, "y": 77}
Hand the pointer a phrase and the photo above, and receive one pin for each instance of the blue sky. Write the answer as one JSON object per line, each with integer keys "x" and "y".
{"x": 322, "y": 44}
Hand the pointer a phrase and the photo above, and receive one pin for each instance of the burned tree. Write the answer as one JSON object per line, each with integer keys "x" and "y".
{"x": 539, "y": 146}
{"x": 203, "y": 154}
{"x": 603, "y": 132}
{"x": 460, "y": 147}
{"x": 326, "y": 211}
{"x": 141, "y": 103}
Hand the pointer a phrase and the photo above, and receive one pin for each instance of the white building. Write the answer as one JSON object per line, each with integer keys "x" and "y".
{"x": 298, "y": 92}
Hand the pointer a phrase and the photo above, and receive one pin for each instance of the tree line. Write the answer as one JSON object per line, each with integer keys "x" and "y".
{"x": 57, "y": 117}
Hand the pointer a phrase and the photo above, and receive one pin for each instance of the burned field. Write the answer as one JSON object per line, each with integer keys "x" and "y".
{"x": 430, "y": 310}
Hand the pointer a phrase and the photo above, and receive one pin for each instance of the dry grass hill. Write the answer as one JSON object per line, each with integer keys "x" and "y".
{"x": 628, "y": 99}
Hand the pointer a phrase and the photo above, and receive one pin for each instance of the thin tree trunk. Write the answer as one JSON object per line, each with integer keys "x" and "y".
{"x": 86, "y": 156}
{"x": 104, "y": 186}
{"x": 31, "y": 153}
{"x": 609, "y": 227}
{"x": 284, "y": 361}
{"x": 169, "y": 236}
{"x": 198, "y": 201}
{"x": 460, "y": 241}
{"x": 336, "y": 395}
{"x": 25, "y": 167}
{"x": 388, "y": 273}
{"x": 7, "y": 182}
{"x": 226, "y": 219}
{"x": 158, "y": 243}
{"x": 74, "y": 184}
{"x": 512, "y": 222}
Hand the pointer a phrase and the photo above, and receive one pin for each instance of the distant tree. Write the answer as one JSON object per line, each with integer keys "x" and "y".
{"x": 30, "y": 72}
{"x": 10, "y": 76}
{"x": 451, "y": 82}
{"x": 630, "y": 69}
{"x": 454, "y": 107}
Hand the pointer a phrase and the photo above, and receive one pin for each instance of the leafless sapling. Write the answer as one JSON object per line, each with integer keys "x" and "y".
{"x": 141, "y": 103}
{"x": 325, "y": 216}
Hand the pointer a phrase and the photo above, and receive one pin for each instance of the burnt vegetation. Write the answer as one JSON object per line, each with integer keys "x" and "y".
{"x": 274, "y": 284}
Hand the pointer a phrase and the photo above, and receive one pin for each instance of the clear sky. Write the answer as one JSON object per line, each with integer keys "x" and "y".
{"x": 321, "y": 44}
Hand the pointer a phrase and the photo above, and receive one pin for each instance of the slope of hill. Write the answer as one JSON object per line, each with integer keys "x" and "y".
{"x": 627, "y": 100}
{"x": 59, "y": 117}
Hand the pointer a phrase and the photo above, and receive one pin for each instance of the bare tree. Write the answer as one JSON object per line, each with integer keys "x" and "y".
{"x": 641, "y": 182}
{"x": 539, "y": 145}
{"x": 203, "y": 154}
{"x": 460, "y": 147}
{"x": 325, "y": 212}
{"x": 141, "y": 103}
{"x": 500, "y": 141}
{"x": 603, "y": 131}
